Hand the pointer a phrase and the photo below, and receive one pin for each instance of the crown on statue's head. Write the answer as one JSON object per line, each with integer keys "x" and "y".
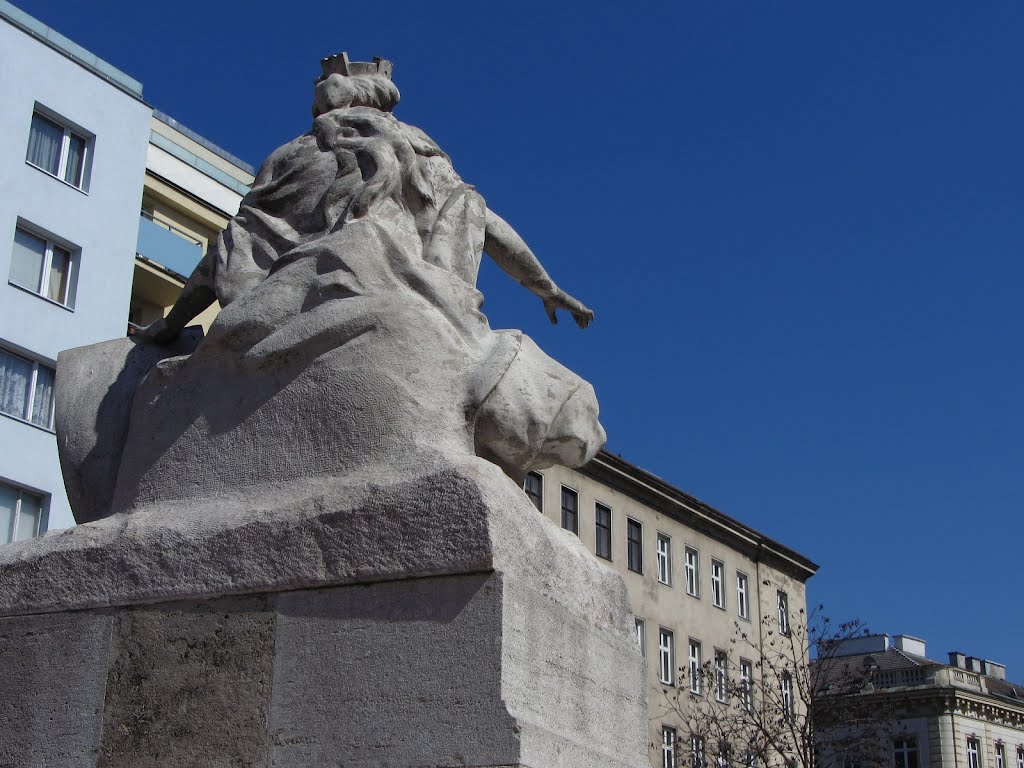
{"x": 338, "y": 64}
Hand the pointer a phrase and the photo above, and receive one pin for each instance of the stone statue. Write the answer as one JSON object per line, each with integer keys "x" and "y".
{"x": 350, "y": 339}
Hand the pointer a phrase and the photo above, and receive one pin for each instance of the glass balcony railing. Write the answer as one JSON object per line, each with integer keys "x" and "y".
{"x": 168, "y": 247}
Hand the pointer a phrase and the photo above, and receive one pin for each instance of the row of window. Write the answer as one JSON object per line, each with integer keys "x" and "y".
{"x": 974, "y": 755}
{"x": 570, "y": 517}
{"x": 698, "y": 752}
{"x": 22, "y": 514}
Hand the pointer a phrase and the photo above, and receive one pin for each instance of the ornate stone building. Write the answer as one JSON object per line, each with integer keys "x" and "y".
{"x": 963, "y": 713}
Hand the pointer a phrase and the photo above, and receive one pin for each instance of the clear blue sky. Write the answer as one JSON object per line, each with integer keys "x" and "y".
{"x": 801, "y": 226}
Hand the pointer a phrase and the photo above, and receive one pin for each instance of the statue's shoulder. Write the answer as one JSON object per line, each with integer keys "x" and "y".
{"x": 422, "y": 143}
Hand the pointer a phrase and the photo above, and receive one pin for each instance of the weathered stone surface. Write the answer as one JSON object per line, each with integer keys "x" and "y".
{"x": 53, "y": 671}
{"x": 189, "y": 685}
{"x": 350, "y": 336}
{"x": 448, "y": 624}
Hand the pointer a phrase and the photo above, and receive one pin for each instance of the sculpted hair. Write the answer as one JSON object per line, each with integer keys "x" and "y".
{"x": 337, "y": 91}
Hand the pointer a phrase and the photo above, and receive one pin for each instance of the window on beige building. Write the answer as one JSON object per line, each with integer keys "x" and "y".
{"x": 570, "y": 510}
{"x": 742, "y": 595}
{"x": 1020, "y": 757}
{"x": 666, "y": 641}
{"x": 697, "y": 752}
{"x": 634, "y": 546}
{"x": 692, "y": 572}
{"x": 603, "y": 531}
{"x": 668, "y": 747}
{"x": 641, "y": 635}
{"x": 695, "y": 664}
{"x": 783, "y": 603}
{"x": 786, "y": 689}
{"x": 664, "y": 559}
{"x": 721, "y": 675}
{"x": 1000, "y": 755}
{"x": 747, "y": 684}
{"x": 718, "y": 583}
{"x": 534, "y": 487}
{"x": 973, "y": 753}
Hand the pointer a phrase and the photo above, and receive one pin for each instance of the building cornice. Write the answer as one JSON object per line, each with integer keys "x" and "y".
{"x": 648, "y": 489}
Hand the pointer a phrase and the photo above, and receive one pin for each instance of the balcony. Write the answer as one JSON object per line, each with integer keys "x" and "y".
{"x": 168, "y": 246}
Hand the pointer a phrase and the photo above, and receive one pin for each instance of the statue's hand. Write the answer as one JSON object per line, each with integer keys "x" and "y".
{"x": 160, "y": 331}
{"x": 562, "y": 300}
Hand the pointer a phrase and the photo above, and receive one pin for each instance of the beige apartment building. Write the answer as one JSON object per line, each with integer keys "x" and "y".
{"x": 694, "y": 574}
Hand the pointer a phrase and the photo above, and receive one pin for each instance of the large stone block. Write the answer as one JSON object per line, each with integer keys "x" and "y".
{"x": 437, "y": 622}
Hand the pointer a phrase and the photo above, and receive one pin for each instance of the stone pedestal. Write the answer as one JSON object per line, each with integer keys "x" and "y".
{"x": 437, "y": 622}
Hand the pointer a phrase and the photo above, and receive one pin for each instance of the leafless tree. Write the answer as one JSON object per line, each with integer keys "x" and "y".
{"x": 781, "y": 696}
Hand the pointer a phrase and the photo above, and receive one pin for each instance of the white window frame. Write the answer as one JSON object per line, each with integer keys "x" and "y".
{"x": 721, "y": 676}
{"x": 783, "y": 602}
{"x": 1000, "y": 752}
{"x": 697, "y": 751}
{"x": 641, "y": 635}
{"x": 902, "y": 749}
{"x": 68, "y": 299}
{"x": 718, "y": 583}
{"x": 666, "y": 651}
{"x": 630, "y": 523}
{"x": 1020, "y": 757}
{"x": 30, "y": 400}
{"x": 747, "y": 685}
{"x": 692, "y": 558}
{"x": 664, "y": 555}
{"x": 743, "y": 595}
{"x": 43, "y": 513}
{"x": 668, "y": 747}
{"x": 973, "y": 752}
{"x": 696, "y": 673}
{"x": 65, "y": 146}
{"x": 786, "y": 690}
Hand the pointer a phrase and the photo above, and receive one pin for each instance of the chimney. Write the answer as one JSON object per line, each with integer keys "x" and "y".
{"x": 957, "y": 659}
{"x": 973, "y": 664}
{"x": 994, "y": 669}
{"x": 853, "y": 646}
{"x": 909, "y": 644}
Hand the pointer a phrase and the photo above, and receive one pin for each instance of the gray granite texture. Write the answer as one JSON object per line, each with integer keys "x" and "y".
{"x": 443, "y": 623}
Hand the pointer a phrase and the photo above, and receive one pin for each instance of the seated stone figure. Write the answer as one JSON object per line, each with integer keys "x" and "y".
{"x": 350, "y": 341}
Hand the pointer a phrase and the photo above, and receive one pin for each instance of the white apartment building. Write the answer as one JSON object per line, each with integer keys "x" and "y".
{"x": 694, "y": 574}
{"x": 81, "y": 155}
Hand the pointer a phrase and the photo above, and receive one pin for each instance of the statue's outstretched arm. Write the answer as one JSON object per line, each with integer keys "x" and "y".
{"x": 506, "y": 247}
{"x": 196, "y": 296}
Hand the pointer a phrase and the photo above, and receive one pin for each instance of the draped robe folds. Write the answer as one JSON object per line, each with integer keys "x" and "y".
{"x": 351, "y": 337}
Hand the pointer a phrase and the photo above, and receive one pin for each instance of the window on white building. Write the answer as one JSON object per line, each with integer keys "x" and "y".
{"x": 26, "y": 389}
{"x": 634, "y": 546}
{"x": 783, "y": 602}
{"x": 668, "y": 747}
{"x": 58, "y": 150}
{"x": 786, "y": 686}
{"x": 742, "y": 595}
{"x": 973, "y": 753}
{"x": 692, "y": 572}
{"x": 747, "y": 684}
{"x": 718, "y": 584}
{"x": 695, "y": 667}
{"x": 1000, "y": 755}
{"x": 22, "y": 514}
{"x": 905, "y": 753}
{"x": 534, "y": 487}
{"x": 666, "y": 640}
{"x": 641, "y": 636}
{"x": 1020, "y": 757}
{"x": 721, "y": 676}
{"x": 44, "y": 267}
{"x": 570, "y": 510}
{"x": 603, "y": 531}
{"x": 664, "y": 559}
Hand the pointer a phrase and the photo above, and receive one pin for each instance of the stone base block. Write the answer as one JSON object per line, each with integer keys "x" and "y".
{"x": 528, "y": 663}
